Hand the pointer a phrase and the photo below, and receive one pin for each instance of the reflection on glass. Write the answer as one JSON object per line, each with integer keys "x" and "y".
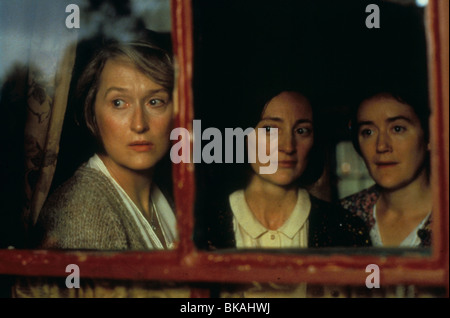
{"x": 323, "y": 48}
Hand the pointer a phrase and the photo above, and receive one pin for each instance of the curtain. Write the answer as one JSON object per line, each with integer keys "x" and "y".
{"x": 36, "y": 61}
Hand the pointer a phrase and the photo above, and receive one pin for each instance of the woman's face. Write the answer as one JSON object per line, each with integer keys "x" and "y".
{"x": 392, "y": 141}
{"x": 292, "y": 115}
{"x": 133, "y": 115}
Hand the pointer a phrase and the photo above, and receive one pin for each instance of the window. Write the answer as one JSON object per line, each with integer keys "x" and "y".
{"x": 191, "y": 264}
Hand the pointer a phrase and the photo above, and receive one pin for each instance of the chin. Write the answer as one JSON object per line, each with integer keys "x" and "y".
{"x": 141, "y": 166}
{"x": 392, "y": 185}
{"x": 282, "y": 181}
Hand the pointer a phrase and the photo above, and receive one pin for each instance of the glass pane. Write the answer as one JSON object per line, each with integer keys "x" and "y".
{"x": 103, "y": 71}
{"x": 331, "y": 53}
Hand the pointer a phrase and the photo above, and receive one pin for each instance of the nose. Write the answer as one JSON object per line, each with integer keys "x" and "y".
{"x": 286, "y": 143}
{"x": 383, "y": 142}
{"x": 139, "y": 120}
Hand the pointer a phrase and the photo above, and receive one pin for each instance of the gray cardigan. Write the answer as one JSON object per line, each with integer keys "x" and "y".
{"x": 86, "y": 212}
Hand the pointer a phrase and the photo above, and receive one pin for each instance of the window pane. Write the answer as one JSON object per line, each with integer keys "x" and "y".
{"x": 87, "y": 79}
{"x": 330, "y": 51}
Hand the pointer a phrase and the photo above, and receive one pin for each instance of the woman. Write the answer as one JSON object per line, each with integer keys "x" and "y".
{"x": 275, "y": 210}
{"x": 390, "y": 132}
{"x": 111, "y": 202}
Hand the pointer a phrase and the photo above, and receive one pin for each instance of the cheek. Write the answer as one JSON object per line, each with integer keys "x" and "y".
{"x": 414, "y": 150}
{"x": 110, "y": 127}
{"x": 367, "y": 148}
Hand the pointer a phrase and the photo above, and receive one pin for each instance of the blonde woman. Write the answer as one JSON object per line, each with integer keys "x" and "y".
{"x": 111, "y": 202}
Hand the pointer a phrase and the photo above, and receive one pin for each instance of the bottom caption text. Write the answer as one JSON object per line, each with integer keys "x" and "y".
{"x": 250, "y": 307}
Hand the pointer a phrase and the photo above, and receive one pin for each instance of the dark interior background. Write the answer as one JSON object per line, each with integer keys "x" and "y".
{"x": 245, "y": 49}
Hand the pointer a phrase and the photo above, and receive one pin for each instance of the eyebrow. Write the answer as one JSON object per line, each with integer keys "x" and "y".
{"x": 277, "y": 119}
{"x": 389, "y": 120}
{"x": 122, "y": 90}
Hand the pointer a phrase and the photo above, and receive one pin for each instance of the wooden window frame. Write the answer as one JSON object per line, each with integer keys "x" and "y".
{"x": 187, "y": 264}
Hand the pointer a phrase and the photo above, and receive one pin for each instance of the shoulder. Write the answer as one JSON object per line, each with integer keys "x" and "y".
{"x": 85, "y": 188}
{"x": 332, "y": 225}
{"x": 81, "y": 213}
{"x": 362, "y": 201}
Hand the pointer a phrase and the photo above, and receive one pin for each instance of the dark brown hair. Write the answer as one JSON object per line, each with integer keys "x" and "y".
{"x": 416, "y": 98}
{"x": 316, "y": 156}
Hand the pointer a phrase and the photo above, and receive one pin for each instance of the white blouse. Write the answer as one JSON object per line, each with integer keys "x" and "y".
{"x": 164, "y": 212}
{"x": 250, "y": 233}
{"x": 412, "y": 240}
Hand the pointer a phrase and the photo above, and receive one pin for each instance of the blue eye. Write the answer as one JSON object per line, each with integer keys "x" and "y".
{"x": 118, "y": 103}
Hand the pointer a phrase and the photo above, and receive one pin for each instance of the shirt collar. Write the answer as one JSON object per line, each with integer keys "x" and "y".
{"x": 255, "y": 229}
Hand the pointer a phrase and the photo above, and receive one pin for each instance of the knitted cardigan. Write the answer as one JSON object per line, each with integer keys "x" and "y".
{"x": 86, "y": 212}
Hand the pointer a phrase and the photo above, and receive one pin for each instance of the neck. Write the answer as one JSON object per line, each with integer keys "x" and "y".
{"x": 415, "y": 199}
{"x": 136, "y": 184}
{"x": 271, "y": 204}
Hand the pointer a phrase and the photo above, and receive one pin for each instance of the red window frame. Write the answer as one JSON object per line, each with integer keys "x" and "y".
{"x": 187, "y": 264}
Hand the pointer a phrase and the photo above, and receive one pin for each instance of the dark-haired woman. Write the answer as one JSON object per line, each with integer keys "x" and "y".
{"x": 391, "y": 134}
{"x": 275, "y": 210}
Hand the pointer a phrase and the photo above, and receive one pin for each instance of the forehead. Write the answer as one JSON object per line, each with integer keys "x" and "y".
{"x": 383, "y": 108}
{"x": 122, "y": 72}
{"x": 288, "y": 105}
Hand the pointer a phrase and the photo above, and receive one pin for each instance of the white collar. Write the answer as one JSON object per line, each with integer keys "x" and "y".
{"x": 164, "y": 212}
{"x": 412, "y": 240}
{"x": 244, "y": 216}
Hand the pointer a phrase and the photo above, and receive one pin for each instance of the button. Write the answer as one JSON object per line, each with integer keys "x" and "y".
{"x": 272, "y": 237}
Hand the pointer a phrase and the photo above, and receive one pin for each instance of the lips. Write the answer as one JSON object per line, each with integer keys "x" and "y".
{"x": 287, "y": 163}
{"x": 385, "y": 164}
{"x": 141, "y": 145}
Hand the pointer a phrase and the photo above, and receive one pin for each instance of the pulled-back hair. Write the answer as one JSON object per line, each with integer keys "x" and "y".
{"x": 316, "y": 157}
{"x": 317, "y": 154}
